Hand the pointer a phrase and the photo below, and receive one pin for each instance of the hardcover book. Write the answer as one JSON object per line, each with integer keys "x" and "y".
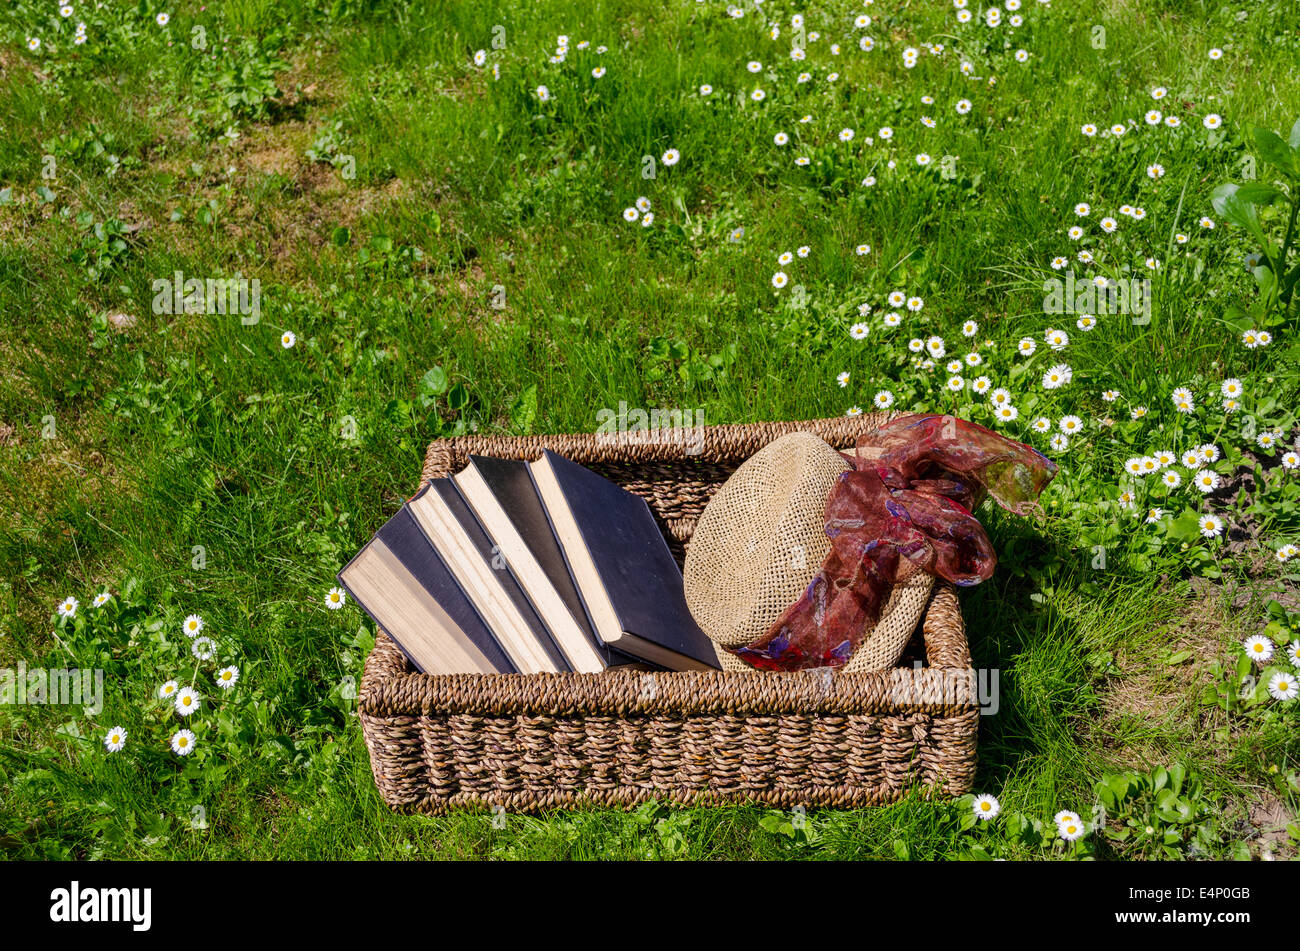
{"x": 399, "y": 579}
{"x": 503, "y": 497}
{"x": 621, "y": 566}
{"x": 485, "y": 577}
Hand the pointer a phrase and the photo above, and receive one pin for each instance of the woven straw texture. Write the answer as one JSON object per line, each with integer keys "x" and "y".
{"x": 526, "y": 743}
{"x": 761, "y": 539}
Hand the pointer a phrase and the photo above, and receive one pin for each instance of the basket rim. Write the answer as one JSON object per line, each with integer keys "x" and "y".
{"x": 723, "y": 442}
{"x": 619, "y": 693}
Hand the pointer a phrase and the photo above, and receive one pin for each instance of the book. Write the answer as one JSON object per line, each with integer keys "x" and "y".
{"x": 621, "y": 566}
{"x": 484, "y": 576}
{"x": 399, "y": 579}
{"x": 505, "y": 501}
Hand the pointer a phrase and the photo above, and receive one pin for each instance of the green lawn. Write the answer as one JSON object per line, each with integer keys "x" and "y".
{"x": 447, "y": 246}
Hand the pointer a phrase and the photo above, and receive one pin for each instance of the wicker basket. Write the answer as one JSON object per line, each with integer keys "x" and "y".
{"x": 530, "y": 742}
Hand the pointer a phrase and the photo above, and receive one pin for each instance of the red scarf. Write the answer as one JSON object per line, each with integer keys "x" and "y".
{"x": 905, "y": 506}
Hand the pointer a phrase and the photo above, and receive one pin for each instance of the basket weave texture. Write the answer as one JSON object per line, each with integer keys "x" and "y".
{"x": 530, "y": 742}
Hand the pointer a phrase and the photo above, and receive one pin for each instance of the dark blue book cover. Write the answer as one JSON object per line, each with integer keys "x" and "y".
{"x": 399, "y": 579}
{"x": 637, "y": 573}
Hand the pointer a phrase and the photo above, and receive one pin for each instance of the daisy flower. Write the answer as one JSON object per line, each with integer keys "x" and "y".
{"x": 1070, "y": 425}
{"x": 963, "y": 106}
{"x": 780, "y": 279}
{"x": 1154, "y": 515}
{"x": 68, "y": 607}
{"x": 102, "y": 599}
{"x": 883, "y": 400}
{"x": 1293, "y": 649}
{"x": 192, "y": 625}
{"x": 1211, "y": 526}
{"x": 1027, "y": 346}
{"x": 187, "y": 701}
{"x": 203, "y": 648}
{"x": 842, "y": 379}
{"x": 970, "y": 328}
{"x": 893, "y": 319}
{"x": 1283, "y": 686}
{"x": 182, "y": 742}
{"x": 914, "y": 304}
{"x": 956, "y": 383}
{"x": 288, "y": 339}
{"x": 543, "y": 94}
{"x": 168, "y": 690}
{"x": 1290, "y": 460}
{"x": 863, "y": 250}
{"x": 647, "y": 219}
{"x": 1060, "y": 442}
{"x": 1000, "y": 397}
{"x": 1212, "y": 121}
{"x": 1006, "y": 414}
{"x": 1258, "y": 648}
{"x": 986, "y": 807}
{"x": 227, "y": 677}
{"x": 853, "y": 411}
{"x": 1207, "y": 480}
{"x": 859, "y": 331}
{"x": 781, "y": 138}
{"x": 1041, "y": 424}
{"x": 115, "y": 739}
{"x": 1057, "y": 376}
{"x": 631, "y": 214}
{"x": 1286, "y": 553}
{"x": 1110, "y": 396}
{"x": 1086, "y": 322}
{"x": 672, "y": 157}
{"x": 162, "y": 19}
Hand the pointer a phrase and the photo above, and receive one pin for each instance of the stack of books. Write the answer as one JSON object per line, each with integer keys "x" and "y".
{"x": 527, "y": 567}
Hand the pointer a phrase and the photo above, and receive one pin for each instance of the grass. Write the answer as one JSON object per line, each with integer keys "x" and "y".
{"x": 190, "y": 464}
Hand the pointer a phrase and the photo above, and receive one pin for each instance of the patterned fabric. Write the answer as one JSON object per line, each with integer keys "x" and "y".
{"x": 905, "y": 507}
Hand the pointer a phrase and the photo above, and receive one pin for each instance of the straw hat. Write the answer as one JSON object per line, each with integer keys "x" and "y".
{"x": 761, "y": 539}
